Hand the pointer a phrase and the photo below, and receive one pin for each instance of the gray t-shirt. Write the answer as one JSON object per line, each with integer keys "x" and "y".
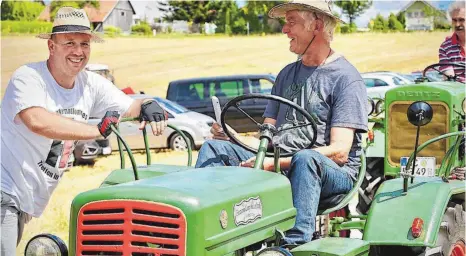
{"x": 333, "y": 93}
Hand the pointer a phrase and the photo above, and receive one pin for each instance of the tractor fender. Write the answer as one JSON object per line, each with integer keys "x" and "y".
{"x": 392, "y": 212}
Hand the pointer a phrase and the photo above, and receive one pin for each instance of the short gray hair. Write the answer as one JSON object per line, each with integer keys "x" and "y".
{"x": 329, "y": 22}
{"x": 455, "y": 6}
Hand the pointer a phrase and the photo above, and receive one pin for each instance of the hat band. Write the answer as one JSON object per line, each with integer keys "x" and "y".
{"x": 69, "y": 28}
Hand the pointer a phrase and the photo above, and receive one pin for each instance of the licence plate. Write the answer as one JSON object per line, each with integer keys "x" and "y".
{"x": 106, "y": 151}
{"x": 425, "y": 166}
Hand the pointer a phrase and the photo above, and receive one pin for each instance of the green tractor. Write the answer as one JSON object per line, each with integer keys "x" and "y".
{"x": 161, "y": 210}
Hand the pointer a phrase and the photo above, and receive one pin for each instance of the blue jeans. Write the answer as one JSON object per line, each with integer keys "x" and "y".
{"x": 312, "y": 176}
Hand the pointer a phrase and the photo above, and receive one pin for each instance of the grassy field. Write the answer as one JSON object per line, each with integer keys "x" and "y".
{"x": 149, "y": 64}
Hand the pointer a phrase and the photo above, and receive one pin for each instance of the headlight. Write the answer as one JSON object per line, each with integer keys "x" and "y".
{"x": 464, "y": 105}
{"x": 379, "y": 107}
{"x": 274, "y": 251}
{"x": 46, "y": 244}
{"x": 370, "y": 106}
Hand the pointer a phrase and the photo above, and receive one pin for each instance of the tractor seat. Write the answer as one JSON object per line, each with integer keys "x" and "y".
{"x": 329, "y": 202}
{"x": 337, "y": 202}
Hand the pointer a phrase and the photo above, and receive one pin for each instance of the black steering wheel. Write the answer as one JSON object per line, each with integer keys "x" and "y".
{"x": 268, "y": 128}
{"x": 449, "y": 77}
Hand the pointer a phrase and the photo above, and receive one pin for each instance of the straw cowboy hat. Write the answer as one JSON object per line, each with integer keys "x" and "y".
{"x": 319, "y": 6}
{"x": 71, "y": 20}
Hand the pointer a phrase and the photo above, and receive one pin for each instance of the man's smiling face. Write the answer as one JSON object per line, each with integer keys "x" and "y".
{"x": 70, "y": 52}
{"x": 296, "y": 31}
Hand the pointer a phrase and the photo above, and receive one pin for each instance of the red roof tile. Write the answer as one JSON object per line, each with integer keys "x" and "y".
{"x": 98, "y": 15}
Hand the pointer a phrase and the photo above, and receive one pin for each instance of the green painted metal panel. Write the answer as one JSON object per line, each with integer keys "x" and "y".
{"x": 126, "y": 175}
{"x": 377, "y": 148}
{"x": 450, "y": 93}
{"x": 202, "y": 194}
{"x": 333, "y": 246}
{"x": 392, "y": 212}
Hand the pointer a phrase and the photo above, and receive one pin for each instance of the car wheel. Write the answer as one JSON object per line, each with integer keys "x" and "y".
{"x": 177, "y": 142}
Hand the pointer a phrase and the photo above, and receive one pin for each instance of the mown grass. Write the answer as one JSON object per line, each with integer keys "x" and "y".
{"x": 149, "y": 64}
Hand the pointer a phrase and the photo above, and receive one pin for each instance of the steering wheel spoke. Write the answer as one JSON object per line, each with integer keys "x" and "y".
{"x": 294, "y": 127}
{"x": 453, "y": 77}
{"x": 267, "y": 130}
{"x": 246, "y": 114}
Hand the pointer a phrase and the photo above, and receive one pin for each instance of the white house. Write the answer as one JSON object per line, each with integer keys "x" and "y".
{"x": 416, "y": 18}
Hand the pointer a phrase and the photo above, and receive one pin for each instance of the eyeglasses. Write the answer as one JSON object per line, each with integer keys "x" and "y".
{"x": 72, "y": 44}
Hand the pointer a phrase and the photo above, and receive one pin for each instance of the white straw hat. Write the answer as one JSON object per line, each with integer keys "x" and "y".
{"x": 320, "y": 6}
{"x": 71, "y": 20}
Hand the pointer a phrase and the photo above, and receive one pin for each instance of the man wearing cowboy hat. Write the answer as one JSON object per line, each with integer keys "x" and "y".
{"x": 333, "y": 92}
{"x": 45, "y": 110}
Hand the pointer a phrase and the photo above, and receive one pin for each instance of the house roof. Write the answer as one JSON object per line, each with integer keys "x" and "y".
{"x": 100, "y": 14}
{"x": 45, "y": 14}
{"x": 412, "y": 2}
{"x": 94, "y": 14}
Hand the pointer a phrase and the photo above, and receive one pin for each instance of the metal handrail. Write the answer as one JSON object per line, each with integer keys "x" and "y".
{"x": 146, "y": 145}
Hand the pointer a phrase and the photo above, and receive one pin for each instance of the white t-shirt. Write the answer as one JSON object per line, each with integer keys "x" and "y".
{"x": 31, "y": 164}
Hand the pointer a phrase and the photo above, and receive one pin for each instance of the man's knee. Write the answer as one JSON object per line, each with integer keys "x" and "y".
{"x": 214, "y": 145}
{"x": 308, "y": 156}
{"x": 307, "y": 160}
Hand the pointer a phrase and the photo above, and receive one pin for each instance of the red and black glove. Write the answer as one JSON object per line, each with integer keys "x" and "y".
{"x": 152, "y": 112}
{"x": 111, "y": 117}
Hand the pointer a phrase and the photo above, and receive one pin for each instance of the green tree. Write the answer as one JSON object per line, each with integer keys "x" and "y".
{"x": 20, "y": 10}
{"x": 394, "y": 24}
{"x": 56, "y": 4}
{"x": 256, "y": 14}
{"x": 353, "y": 8}
{"x": 438, "y": 16}
{"x": 380, "y": 24}
{"x": 401, "y": 17}
{"x": 192, "y": 11}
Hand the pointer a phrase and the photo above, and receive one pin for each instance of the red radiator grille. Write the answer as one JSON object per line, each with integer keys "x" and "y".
{"x": 133, "y": 228}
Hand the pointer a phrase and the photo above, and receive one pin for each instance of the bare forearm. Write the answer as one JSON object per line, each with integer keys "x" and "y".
{"x": 135, "y": 108}
{"x": 336, "y": 154}
{"x": 57, "y": 127}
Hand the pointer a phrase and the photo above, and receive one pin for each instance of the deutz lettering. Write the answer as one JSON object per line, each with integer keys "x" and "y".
{"x": 416, "y": 94}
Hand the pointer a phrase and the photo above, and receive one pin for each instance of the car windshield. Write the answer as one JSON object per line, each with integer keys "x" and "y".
{"x": 172, "y": 106}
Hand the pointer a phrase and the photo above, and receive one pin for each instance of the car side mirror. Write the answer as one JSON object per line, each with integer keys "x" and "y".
{"x": 420, "y": 113}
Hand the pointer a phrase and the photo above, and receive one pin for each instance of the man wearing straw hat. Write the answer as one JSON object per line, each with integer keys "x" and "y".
{"x": 332, "y": 90}
{"x": 45, "y": 110}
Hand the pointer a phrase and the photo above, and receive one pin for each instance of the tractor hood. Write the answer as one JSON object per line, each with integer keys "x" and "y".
{"x": 220, "y": 205}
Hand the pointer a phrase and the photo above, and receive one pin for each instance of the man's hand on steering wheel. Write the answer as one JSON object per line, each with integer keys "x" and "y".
{"x": 268, "y": 129}
{"x": 451, "y": 76}
{"x": 154, "y": 114}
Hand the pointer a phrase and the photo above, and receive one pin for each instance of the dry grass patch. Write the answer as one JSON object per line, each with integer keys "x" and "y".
{"x": 150, "y": 63}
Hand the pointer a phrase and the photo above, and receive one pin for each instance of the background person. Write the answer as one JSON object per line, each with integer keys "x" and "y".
{"x": 452, "y": 49}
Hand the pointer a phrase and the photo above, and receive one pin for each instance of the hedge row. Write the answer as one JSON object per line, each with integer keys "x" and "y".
{"x": 25, "y": 27}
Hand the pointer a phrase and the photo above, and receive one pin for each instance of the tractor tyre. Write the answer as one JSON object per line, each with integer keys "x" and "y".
{"x": 374, "y": 177}
{"x": 451, "y": 238}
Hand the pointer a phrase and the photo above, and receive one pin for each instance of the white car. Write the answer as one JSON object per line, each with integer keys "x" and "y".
{"x": 378, "y": 83}
{"x": 196, "y": 127}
